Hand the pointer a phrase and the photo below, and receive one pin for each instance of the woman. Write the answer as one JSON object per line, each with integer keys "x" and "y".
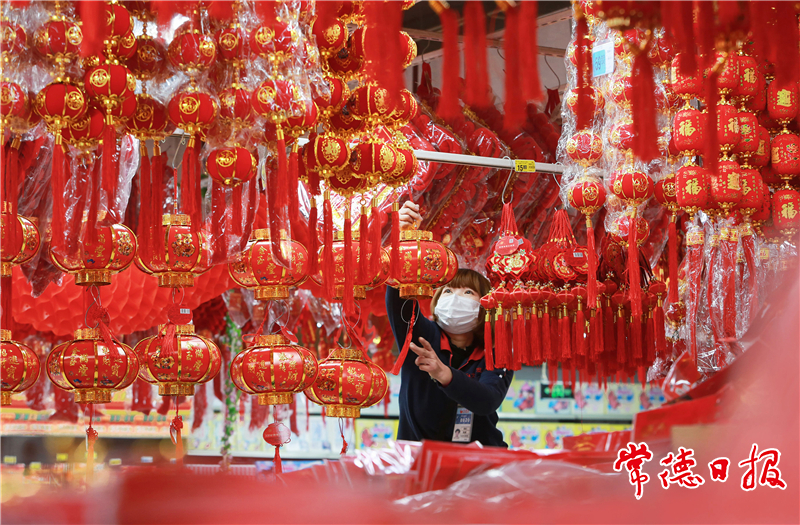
{"x": 446, "y": 393}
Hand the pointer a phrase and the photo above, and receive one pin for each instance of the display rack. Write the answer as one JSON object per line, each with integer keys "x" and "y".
{"x": 486, "y": 162}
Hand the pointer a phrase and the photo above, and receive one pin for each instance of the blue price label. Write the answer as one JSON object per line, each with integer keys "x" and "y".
{"x": 599, "y": 62}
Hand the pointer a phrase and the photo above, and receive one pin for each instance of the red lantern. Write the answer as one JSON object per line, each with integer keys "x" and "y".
{"x": 193, "y": 360}
{"x": 345, "y": 125}
{"x": 58, "y": 40}
{"x": 748, "y": 85}
{"x": 666, "y": 192}
{"x": 13, "y": 101}
{"x": 96, "y": 263}
{"x": 109, "y": 85}
{"x": 782, "y": 102}
{"x": 373, "y": 160}
{"x": 180, "y": 256}
{"x": 331, "y": 39}
{"x": 633, "y": 186}
{"x": 409, "y": 47}
{"x": 192, "y": 52}
{"x": 749, "y": 140}
{"x": 277, "y": 100}
{"x": 585, "y": 148}
{"x": 347, "y": 382}
{"x": 118, "y": 21}
{"x": 689, "y": 131}
{"x": 125, "y": 47}
{"x": 149, "y": 60}
{"x": 726, "y": 191}
{"x": 232, "y": 166}
{"x": 362, "y": 283}
{"x": 235, "y": 108}
{"x": 19, "y": 367}
{"x": 692, "y": 184}
{"x": 345, "y": 65}
{"x": 334, "y": 100}
{"x": 13, "y": 39}
{"x": 786, "y": 155}
{"x": 274, "y": 40}
{"x": 750, "y": 181}
{"x": 620, "y": 232}
{"x": 424, "y": 265}
{"x": 728, "y": 78}
{"x": 685, "y": 84}
{"x": 406, "y": 111}
{"x": 273, "y": 369}
{"x": 300, "y": 124}
{"x": 91, "y": 368}
{"x": 727, "y": 127}
{"x": 59, "y": 104}
{"x": 193, "y": 111}
{"x": 150, "y": 119}
{"x": 621, "y": 135}
{"x": 785, "y": 208}
{"x": 256, "y": 269}
{"x": 87, "y": 132}
{"x": 405, "y": 169}
{"x": 231, "y": 45}
{"x": 326, "y": 154}
{"x": 762, "y": 154}
{"x": 26, "y": 241}
{"x": 622, "y": 91}
{"x": 370, "y": 103}
{"x": 587, "y": 196}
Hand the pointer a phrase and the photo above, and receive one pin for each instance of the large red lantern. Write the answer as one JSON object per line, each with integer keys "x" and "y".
{"x": 19, "y": 248}
{"x": 192, "y": 52}
{"x": 347, "y": 382}
{"x": 727, "y": 127}
{"x": 58, "y": 40}
{"x": 621, "y": 135}
{"x": 192, "y": 360}
{"x": 149, "y": 61}
{"x": 782, "y": 103}
{"x": 256, "y": 269}
{"x": 331, "y": 39}
{"x": 94, "y": 264}
{"x": 274, "y": 369}
{"x": 786, "y": 155}
{"x": 59, "y": 104}
{"x": 370, "y": 103}
{"x": 19, "y": 367}
{"x": 109, "y": 85}
{"x": 726, "y": 191}
{"x": 193, "y": 111}
{"x": 424, "y": 265}
{"x": 179, "y": 256}
{"x": 621, "y": 230}
{"x": 232, "y": 166}
{"x": 91, "y": 368}
{"x": 750, "y": 181}
{"x": 277, "y": 100}
{"x": 373, "y": 160}
{"x": 235, "y": 107}
{"x": 587, "y": 196}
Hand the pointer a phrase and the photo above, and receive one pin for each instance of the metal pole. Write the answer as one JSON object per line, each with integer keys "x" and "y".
{"x": 483, "y": 162}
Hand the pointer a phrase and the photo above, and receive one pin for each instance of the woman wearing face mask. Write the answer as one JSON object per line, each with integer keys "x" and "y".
{"x": 446, "y": 393}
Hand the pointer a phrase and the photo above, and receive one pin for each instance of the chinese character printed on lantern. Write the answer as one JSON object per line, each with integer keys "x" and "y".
{"x": 632, "y": 458}
{"x": 770, "y": 473}
{"x": 788, "y": 211}
{"x": 719, "y": 468}
{"x": 692, "y": 187}
{"x": 680, "y": 470}
{"x": 686, "y": 128}
{"x": 784, "y": 98}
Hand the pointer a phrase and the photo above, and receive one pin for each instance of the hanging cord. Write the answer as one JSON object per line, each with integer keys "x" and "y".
{"x": 344, "y": 441}
{"x": 175, "y": 433}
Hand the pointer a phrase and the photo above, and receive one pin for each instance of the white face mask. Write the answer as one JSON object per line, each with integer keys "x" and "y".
{"x": 457, "y": 314}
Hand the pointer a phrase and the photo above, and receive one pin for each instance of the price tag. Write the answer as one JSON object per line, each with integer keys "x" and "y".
{"x": 61, "y": 458}
{"x": 507, "y": 245}
{"x": 603, "y": 58}
{"x": 10, "y": 460}
{"x": 524, "y": 166}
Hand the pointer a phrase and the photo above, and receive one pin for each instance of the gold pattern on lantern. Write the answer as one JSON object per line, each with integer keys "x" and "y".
{"x": 264, "y": 35}
{"x": 733, "y": 181}
{"x": 7, "y": 95}
{"x": 189, "y": 105}
{"x": 226, "y": 158}
{"x": 229, "y": 41}
{"x": 331, "y": 150}
{"x": 749, "y": 75}
{"x": 75, "y": 100}
{"x": 99, "y": 78}
{"x": 589, "y": 192}
{"x": 144, "y": 112}
{"x": 784, "y": 98}
{"x": 207, "y": 48}
{"x": 266, "y": 94}
{"x": 640, "y": 184}
{"x": 332, "y": 33}
{"x": 74, "y": 35}
{"x": 788, "y": 211}
{"x": 386, "y": 158}
{"x": 686, "y": 129}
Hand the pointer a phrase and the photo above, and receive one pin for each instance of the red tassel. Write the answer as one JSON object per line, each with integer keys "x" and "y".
{"x": 398, "y": 365}
{"x": 566, "y": 336}
{"x": 500, "y": 360}
{"x": 94, "y": 198}
{"x": 643, "y": 108}
{"x": 650, "y": 339}
{"x": 313, "y": 182}
{"x": 12, "y": 186}
{"x": 110, "y": 170}
{"x": 634, "y": 279}
{"x": 711, "y": 153}
{"x": 677, "y": 19}
{"x": 313, "y": 236}
{"x": 783, "y": 38}
{"x": 529, "y": 50}
{"x": 375, "y": 241}
{"x": 534, "y": 335}
{"x": 751, "y": 287}
{"x": 219, "y": 232}
{"x": 91, "y": 437}
{"x": 276, "y": 460}
{"x": 187, "y": 184}
{"x": 348, "y": 300}
{"x": 609, "y": 344}
{"x": 93, "y": 21}
{"x": 144, "y": 229}
{"x": 580, "y": 331}
{"x": 292, "y": 189}
{"x": 476, "y": 73}
{"x": 157, "y": 195}
{"x": 584, "y": 107}
{"x": 448, "y": 107}
{"x": 673, "y": 261}
{"x": 660, "y": 332}
{"x": 620, "y": 322}
{"x": 277, "y": 215}
{"x": 364, "y": 252}
{"x": 177, "y": 425}
{"x": 487, "y": 340}
{"x": 730, "y": 241}
{"x": 518, "y": 350}
{"x": 591, "y": 280}
{"x": 252, "y": 205}
{"x": 636, "y": 339}
{"x": 57, "y": 182}
{"x": 530, "y": 320}
{"x": 595, "y": 334}
{"x": 514, "y": 107}
{"x": 395, "y": 260}
{"x": 695, "y": 241}
{"x": 384, "y": 56}
{"x": 545, "y": 330}
{"x": 235, "y": 218}
{"x": 712, "y": 291}
{"x": 555, "y": 335}
{"x": 327, "y": 250}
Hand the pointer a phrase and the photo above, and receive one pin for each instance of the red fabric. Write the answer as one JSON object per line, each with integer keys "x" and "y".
{"x": 476, "y": 72}
{"x": 514, "y": 107}
{"x": 448, "y": 106}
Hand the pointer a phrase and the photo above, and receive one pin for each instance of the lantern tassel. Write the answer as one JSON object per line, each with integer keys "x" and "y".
{"x": 327, "y": 257}
{"x": 57, "y": 183}
{"x": 144, "y": 228}
{"x": 546, "y": 350}
{"x": 276, "y": 460}
{"x": 566, "y": 339}
{"x": 749, "y": 249}
{"x": 518, "y": 349}
{"x": 188, "y": 202}
{"x": 514, "y": 107}
{"x": 501, "y": 339}
{"x": 91, "y": 438}
{"x": 580, "y": 330}
{"x": 110, "y": 166}
{"x": 177, "y": 425}
{"x": 487, "y": 340}
{"x": 660, "y": 332}
{"x": 476, "y": 76}
{"x": 529, "y": 50}
{"x": 595, "y": 334}
{"x": 447, "y": 106}
{"x": 219, "y": 231}
{"x": 634, "y": 288}
{"x": 643, "y": 108}
{"x": 12, "y": 186}
{"x": 591, "y": 280}
{"x": 313, "y": 238}
{"x": 234, "y": 219}
{"x": 277, "y": 204}
{"x": 91, "y": 216}
{"x": 398, "y": 365}
{"x": 365, "y": 262}
{"x": 584, "y": 106}
{"x": 650, "y": 338}
{"x": 608, "y": 328}
{"x": 348, "y": 300}
{"x": 157, "y": 194}
{"x": 375, "y": 233}
{"x": 293, "y": 188}
{"x": 620, "y": 322}
{"x": 695, "y": 241}
{"x": 730, "y": 242}
{"x": 395, "y": 261}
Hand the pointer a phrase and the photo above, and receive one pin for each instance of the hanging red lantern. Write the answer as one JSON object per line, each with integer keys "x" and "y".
{"x": 782, "y": 103}
{"x": 231, "y": 44}
{"x": 424, "y": 265}
{"x": 571, "y": 99}
{"x": 785, "y": 209}
{"x": 256, "y": 269}
{"x": 193, "y": 111}
{"x": 621, "y": 231}
{"x": 345, "y": 125}
{"x": 750, "y": 181}
{"x": 58, "y": 40}
{"x": 406, "y": 111}
{"x": 13, "y": 102}
{"x": 761, "y": 156}
{"x": 406, "y": 167}
{"x": 109, "y": 85}
{"x": 729, "y": 76}
{"x": 299, "y": 125}
{"x": 277, "y": 100}
{"x": 274, "y": 40}
{"x": 748, "y": 84}
{"x": 370, "y": 103}
{"x": 749, "y": 140}
{"x": 373, "y": 160}
{"x": 94, "y": 264}
{"x": 347, "y": 382}
{"x": 330, "y": 39}
{"x": 345, "y": 65}
{"x": 334, "y": 100}
{"x": 232, "y": 166}
{"x": 274, "y": 369}
{"x": 727, "y": 127}
{"x": 92, "y": 368}
{"x": 192, "y": 51}
{"x": 326, "y": 154}
{"x": 19, "y": 367}
{"x": 59, "y": 104}
{"x": 621, "y": 136}
{"x": 13, "y": 39}
{"x": 666, "y": 192}
{"x": 181, "y": 255}
{"x": 633, "y": 186}
{"x": 235, "y": 107}
{"x": 124, "y": 48}
{"x": 409, "y": 48}
{"x": 87, "y": 132}
{"x": 622, "y": 91}
{"x": 726, "y": 191}
{"x": 585, "y": 148}
{"x": 786, "y": 155}
{"x": 19, "y": 248}
{"x": 689, "y": 131}
{"x": 177, "y": 365}
{"x": 685, "y": 84}
{"x": 149, "y": 61}
{"x": 150, "y": 120}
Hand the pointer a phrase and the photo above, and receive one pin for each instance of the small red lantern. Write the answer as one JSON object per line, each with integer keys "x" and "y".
{"x": 300, "y": 124}
{"x": 347, "y": 382}
{"x": 13, "y": 39}
{"x": 692, "y": 184}
{"x": 750, "y": 181}
{"x": 193, "y": 111}
{"x": 621, "y": 136}
{"x": 748, "y": 141}
{"x": 406, "y": 111}
{"x": 761, "y": 156}
{"x": 87, "y": 132}
{"x": 149, "y": 60}
{"x": 424, "y": 265}
{"x": 728, "y": 78}
{"x": 95, "y": 264}
{"x": 193, "y": 360}
{"x": 409, "y": 47}
{"x": 58, "y": 40}
{"x": 118, "y": 21}
{"x": 91, "y": 368}
{"x": 192, "y": 52}
{"x": 727, "y": 127}
{"x": 235, "y": 108}
{"x": 571, "y": 99}
{"x": 274, "y": 369}
{"x": 326, "y": 154}
{"x": 689, "y": 130}
{"x": 585, "y": 148}
{"x": 748, "y": 85}
{"x": 622, "y": 91}
{"x": 179, "y": 257}
{"x": 150, "y": 119}
{"x": 633, "y": 186}
{"x": 405, "y": 169}
{"x": 620, "y": 232}
{"x": 373, "y": 160}
{"x": 334, "y": 100}
{"x": 13, "y": 101}
{"x": 59, "y": 104}
{"x": 274, "y": 40}
{"x": 232, "y": 166}
{"x": 786, "y": 155}
{"x": 587, "y": 196}
{"x": 666, "y": 192}
{"x": 26, "y": 238}
{"x": 370, "y": 103}
{"x": 782, "y": 102}
{"x": 331, "y": 39}
{"x": 726, "y": 191}
{"x": 345, "y": 65}
{"x": 109, "y": 85}
{"x": 125, "y": 47}
{"x": 685, "y": 84}
{"x": 19, "y": 367}
{"x": 345, "y": 125}
{"x": 256, "y": 269}
{"x": 785, "y": 209}
{"x": 362, "y": 283}
{"x": 277, "y": 100}
{"x": 231, "y": 45}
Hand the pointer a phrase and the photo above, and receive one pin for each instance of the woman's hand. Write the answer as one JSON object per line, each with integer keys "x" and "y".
{"x": 409, "y": 216}
{"x": 428, "y": 361}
